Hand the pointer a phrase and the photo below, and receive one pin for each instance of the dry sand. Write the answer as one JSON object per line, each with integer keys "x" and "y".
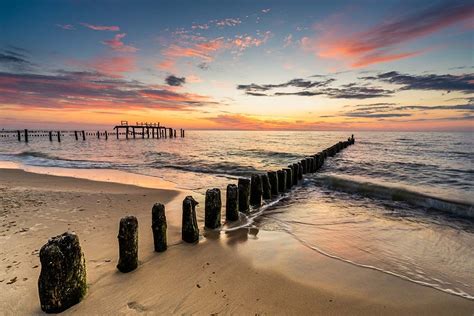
{"x": 245, "y": 272}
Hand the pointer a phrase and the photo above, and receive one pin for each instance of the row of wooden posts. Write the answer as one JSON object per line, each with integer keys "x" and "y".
{"x": 62, "y": 281}
{"x": 155, "y": 132}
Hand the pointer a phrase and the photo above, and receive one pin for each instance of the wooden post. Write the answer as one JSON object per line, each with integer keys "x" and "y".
{"x": 300, "y": 171}
{"x": 189, "y": 229}
{"x": 143, "y": 132}
{"x": 267, "y": 192}
{"x": 75, "y": 135}
{"x": 147, "y": 132}
{"x": 83, "y": 135}
{"x": 106, "y": 135}
{"x": 59, "y": 136}
{"x": 244, "y": 195}
{"x": 128, "y": 244}
{"x": 50, "y": 136}
{"x": 183, "y": 132}
{"x": 281, "y": 181}
{"x": 127, "y": 132}
{"x": 133, "y": 131}
{"x": 295, "y": 173}
{"x": 212, "y": 209}
{"x": 289, "y": 178}
{"x": 26, "y": 135}
{"x": 256, "y": 190}
{"x": 62, "y": 281}
{"x": 159, "y": 226}
{"x": 19, "y": 136}
{"x": 232, "y": 203}
{"x": 174, "y": 133}
{"x": 98, "y": 135}
{"x": 272, "y": 176}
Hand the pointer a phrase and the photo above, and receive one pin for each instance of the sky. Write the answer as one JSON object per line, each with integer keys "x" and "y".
{"x": 251, "y": 65}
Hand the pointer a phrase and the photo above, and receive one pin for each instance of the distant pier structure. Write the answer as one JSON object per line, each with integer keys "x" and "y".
{"x": 140, "y": 130}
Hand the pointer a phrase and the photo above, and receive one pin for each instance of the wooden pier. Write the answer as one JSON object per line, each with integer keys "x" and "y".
{"x": 140, "y": 130}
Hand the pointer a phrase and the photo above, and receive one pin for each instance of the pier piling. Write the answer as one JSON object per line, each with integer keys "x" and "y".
{"x": 256, "y": 190}
{"x": 232, "y": 203}
{"x": 272, "y": 176}
{"x": 281, "y": 181}
{"x": 189, "y": 229}
{"x": 267, "y": 191}
{"x": 159, "y": 227}
{"x": 212, "y": 209}
{"x": 244, "y": 195}
{"x": 128, "y": 244}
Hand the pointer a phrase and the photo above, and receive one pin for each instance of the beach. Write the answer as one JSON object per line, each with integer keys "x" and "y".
{"x": 248, "y": 271}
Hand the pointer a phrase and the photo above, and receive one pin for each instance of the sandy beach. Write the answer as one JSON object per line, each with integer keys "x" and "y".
{"x": 246, "y": 272}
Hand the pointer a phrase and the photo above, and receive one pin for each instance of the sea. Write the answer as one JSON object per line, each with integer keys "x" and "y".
{"x": 397, "y": 202}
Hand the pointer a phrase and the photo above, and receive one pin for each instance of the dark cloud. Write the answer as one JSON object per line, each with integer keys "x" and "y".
{"x": 376, "y": 115}
{"x": 203, "y": 66}
{"x": 81, "y": 89}
{"x": 463, "y": 83}
{"x": 14, "y": 60}
{"x": 310, "y": 88}
{"x": 175, "y": 81}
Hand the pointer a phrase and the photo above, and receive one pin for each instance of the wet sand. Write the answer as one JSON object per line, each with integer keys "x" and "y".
{"x": 243, "y": 272}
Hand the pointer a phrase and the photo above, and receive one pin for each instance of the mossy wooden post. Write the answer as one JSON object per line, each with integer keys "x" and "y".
{"x": 273, "y": 177}
{"x": 159, "y": 226}
{"x": 128, "y": 244}
{"x": 212, "y": 208}
{"x": 244, "y": 195}
{"x": 232, "y": 203}
{"x": 62, "y": 281}
{"x": 189, "y": 229}
{"x": 289, "y": 178}
{"x": 281, "y": 181}
{"x": 267, "y": 191}
{"x": 256, "y": 190}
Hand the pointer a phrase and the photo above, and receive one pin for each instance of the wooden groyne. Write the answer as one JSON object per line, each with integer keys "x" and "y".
{"x": 63, "y": 270}
{"x": 124, "y": 130}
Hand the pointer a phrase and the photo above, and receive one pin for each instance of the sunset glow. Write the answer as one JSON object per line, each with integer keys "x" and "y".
{"x": 252, "y": 65}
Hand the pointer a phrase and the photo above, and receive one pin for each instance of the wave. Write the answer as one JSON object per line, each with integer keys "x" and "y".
{"x": 460, "y": 208}
{"x": 41, "y": 159}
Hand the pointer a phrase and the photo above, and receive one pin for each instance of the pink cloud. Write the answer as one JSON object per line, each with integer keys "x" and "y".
{"x": 378, "y": 43}
{"x": 101, "y": 27}
{"x": 117, "y": 44}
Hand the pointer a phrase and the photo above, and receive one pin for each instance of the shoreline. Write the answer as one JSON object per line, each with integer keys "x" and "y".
{"x": 277, "y": 268}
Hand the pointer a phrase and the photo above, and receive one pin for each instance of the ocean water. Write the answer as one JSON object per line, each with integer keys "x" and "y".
{"x": 394, "y": 202}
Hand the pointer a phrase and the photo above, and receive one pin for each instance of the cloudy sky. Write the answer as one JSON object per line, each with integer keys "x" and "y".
{"x": 322, "y": 65}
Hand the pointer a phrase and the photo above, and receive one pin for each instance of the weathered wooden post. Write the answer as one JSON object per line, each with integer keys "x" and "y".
{"x": 289, "y": 178}
{"x": 212, "y": 209}
{"x": 267, "y": 191}
{"x": 26, "y": 135}
{"x": 83, "y": 135}
{"x": 106, "y": 135}
{"x": 300, "y": 171}
{"x": 189, "y": 229}
{"x": 256, "y": 190}
{"x": 303, "y": 164}
{"x": 232, "y": 203}
{"x": 50, "y": 136}
{"x": 19, "y": 135}
{"x": 281, "y": 181}
{"x": 147, "y": 132}
{"x": 183, "y": 132}
{"x": 308, "y": 165}
{"x": 244, "y": 195}
{"x": 174, "y": 133}
{"x": 62, "y": 281}
{"x": 75, "y": 135}
{"x": 295, "y": 173}
{"x": 143, "y": 133}
{"x": 159, "y": 226}
{"x": 128, "y": 244}
{"x": 272, "y": 176}
{"x": 133, "y": 132}
{"x": 59, "y": 136}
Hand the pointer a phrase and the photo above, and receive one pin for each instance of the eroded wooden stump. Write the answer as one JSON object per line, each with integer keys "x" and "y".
{"x": 232, "y": 203}
{"x": 244, "y": 195}
{"x": 267, "y": 191}
{"x": 159, "y": 226}
{"x": 272, "y": 176}
{"x": 281, "y": 181}
{"x": 62, "y": 281}
{"x": 212, "y": 208}
{"x": 256, "y": 190}
{"x": 128, "y": 244}
{"x": 289, "y": 178}
{"x": 189, "y": 229}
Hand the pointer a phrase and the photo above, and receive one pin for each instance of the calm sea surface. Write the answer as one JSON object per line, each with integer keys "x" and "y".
{"x": 386, "y": 203}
